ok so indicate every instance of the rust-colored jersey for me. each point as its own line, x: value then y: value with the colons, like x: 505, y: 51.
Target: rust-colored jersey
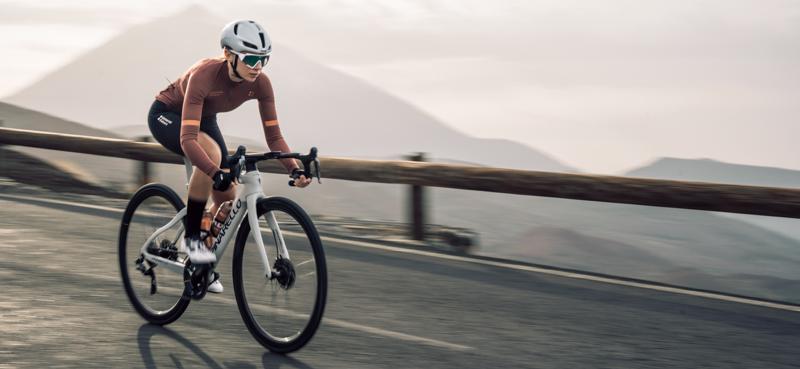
x: 206, y: 89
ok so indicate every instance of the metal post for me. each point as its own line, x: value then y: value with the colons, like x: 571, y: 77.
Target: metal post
x: 144, y: 166
x: 417, y: 210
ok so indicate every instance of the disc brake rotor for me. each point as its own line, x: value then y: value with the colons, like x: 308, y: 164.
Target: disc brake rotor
x: 284, y: 273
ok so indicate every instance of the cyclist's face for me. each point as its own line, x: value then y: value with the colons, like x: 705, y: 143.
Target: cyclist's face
x: 249, y: 74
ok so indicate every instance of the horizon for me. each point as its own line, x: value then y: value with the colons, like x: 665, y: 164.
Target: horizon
x: 586, y: 113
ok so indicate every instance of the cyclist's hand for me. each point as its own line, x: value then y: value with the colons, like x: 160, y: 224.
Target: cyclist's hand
x: 222, y: 180
x: 300, y: 179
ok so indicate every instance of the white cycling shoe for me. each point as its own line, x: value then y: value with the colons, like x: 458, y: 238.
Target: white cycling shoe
x: 198, y: 252
x: 215, y: 287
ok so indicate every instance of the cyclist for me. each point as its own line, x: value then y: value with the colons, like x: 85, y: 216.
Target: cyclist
x: 183, y: 119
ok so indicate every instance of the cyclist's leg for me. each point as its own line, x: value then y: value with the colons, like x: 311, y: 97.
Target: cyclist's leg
x: 200, y: 183
x: 218, y: 197
x: 166, y: 126
x: 211, y: 129
x: 211, y: 140
x: 199, y: 190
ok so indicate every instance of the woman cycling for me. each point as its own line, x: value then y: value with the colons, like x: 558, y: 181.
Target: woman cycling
x: 183, y: 119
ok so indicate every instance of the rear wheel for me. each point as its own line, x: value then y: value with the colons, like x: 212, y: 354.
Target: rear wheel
x: 284, y: 312
x: 154, y: 291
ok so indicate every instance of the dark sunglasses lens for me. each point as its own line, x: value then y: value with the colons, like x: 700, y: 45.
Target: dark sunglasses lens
x: 252, y: 60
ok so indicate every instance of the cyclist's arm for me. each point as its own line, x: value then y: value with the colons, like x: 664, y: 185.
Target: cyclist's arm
x: 275, y: 141
x: 196, y: 91
x: 269, y: 119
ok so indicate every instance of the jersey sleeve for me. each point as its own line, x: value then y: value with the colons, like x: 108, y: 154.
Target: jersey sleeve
x: 197, y: 88
x: 266, y: 99
x: 198, y: 85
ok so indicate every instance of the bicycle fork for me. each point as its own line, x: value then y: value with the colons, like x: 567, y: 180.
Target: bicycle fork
x: 255, y: 231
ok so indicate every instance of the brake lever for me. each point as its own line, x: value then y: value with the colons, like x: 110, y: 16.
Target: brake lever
x: 316, y: 167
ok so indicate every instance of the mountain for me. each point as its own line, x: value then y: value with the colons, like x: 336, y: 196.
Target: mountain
x: 114, y: 85
x: 29, y: 170
x: 570, y: 248
x: 103, y: 171
x: 707, y: 170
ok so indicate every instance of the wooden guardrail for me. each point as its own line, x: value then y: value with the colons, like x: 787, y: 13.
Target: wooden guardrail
x: 770, y: 201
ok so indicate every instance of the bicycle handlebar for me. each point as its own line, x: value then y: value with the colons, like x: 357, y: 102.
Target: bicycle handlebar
x: 240, y: 158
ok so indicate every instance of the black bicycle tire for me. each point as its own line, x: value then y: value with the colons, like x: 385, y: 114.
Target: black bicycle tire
x: 146, y: 191
x: 282, y: 204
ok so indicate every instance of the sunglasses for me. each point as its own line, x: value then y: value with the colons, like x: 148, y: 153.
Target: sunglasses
x: 253, y: 60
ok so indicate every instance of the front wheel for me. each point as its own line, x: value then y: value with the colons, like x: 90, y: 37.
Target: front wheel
x: 282, y: 313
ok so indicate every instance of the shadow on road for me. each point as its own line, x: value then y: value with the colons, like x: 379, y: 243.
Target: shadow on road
x: 274, y: 361
x: 147, y: 331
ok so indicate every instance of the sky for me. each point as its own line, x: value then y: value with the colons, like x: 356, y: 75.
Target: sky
x: 604, y: 86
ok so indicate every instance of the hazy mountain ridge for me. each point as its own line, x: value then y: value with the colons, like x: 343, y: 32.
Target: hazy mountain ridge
x: 707, y: 170
x: 103, y: 171
x: 317, y: 105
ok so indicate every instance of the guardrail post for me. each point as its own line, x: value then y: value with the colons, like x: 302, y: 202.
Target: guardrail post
x: 143, y: 176
x: 417, y: 208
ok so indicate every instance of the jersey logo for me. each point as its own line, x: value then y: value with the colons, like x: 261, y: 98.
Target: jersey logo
x: 164, y: 120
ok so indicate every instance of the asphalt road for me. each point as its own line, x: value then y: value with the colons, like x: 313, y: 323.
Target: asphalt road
x: 63, y: 305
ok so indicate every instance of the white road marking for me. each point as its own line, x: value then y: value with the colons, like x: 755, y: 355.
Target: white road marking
x: 527, y: 268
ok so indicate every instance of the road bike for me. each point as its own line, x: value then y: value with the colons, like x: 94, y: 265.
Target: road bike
x: 279, y: 270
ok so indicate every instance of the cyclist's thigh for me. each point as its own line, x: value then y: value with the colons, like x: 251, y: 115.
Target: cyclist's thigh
x: 209, y: 127
x: 165, y: 126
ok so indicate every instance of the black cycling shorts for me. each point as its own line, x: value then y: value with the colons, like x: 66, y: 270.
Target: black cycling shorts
x: 165, y: 125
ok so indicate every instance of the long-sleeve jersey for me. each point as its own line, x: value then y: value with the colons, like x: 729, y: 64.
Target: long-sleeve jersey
x: 206, y: 89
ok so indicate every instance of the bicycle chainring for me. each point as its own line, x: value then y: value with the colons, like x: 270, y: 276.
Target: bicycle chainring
x: 196, y: 280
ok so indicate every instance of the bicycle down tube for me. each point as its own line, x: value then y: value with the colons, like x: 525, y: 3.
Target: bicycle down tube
x: 251, y: 193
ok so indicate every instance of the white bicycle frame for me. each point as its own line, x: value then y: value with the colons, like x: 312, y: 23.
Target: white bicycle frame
x: 249, y: 192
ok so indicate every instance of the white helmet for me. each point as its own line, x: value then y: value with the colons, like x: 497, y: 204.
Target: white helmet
x: 245, y: 36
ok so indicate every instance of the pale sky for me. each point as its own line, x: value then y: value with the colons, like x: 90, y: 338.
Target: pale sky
x: 604, y: 86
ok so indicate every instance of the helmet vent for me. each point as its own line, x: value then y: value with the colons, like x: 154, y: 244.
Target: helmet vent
x: 263, y: 44
x: 236, y: 29
x: 249, y: 45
